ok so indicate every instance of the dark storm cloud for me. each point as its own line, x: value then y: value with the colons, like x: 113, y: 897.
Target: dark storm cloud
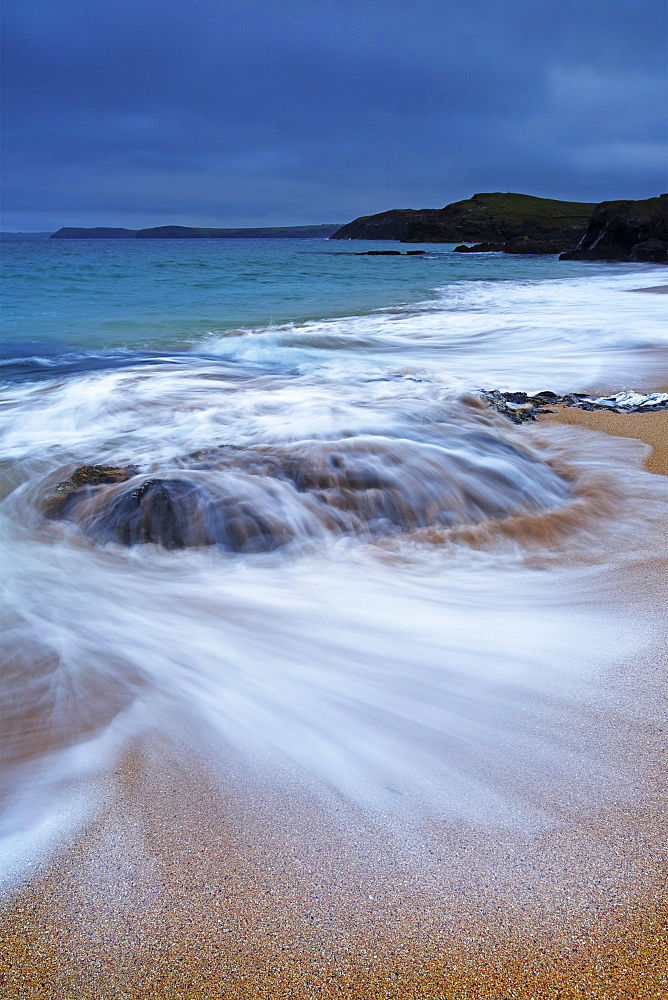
x: 260, y: 113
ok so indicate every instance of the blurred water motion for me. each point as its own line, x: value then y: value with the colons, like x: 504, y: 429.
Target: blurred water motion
x: 322, y: 551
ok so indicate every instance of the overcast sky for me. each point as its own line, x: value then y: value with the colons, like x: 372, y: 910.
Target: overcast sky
x: 245, y: 112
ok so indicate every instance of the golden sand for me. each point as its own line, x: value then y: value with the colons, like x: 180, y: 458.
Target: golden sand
x: 652, y: 428
x: 188, y: 887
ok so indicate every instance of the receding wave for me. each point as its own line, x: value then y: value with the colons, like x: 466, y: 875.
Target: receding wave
x: 336, y: 557
x: 260, y: 498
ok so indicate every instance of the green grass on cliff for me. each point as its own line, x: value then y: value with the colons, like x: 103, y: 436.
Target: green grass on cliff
x: 524, y: 207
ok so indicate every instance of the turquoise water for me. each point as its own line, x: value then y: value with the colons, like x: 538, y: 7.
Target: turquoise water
x: 158, y: 294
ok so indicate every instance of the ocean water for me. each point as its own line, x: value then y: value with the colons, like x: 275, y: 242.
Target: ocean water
x: 322, y: 549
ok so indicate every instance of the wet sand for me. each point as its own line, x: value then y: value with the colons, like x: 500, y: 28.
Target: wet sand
x: 190, y: 884
x: 652, y: 428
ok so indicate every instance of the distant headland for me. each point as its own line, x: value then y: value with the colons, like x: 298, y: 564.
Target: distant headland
x: 196, y: 233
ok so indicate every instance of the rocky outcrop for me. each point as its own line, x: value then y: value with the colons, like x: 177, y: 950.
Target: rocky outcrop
x: 480, y: 248
x: 493, y: 217
x: 397, y: 224
x: 515, y: 246
x: 534, y: 246
x: 379, y: 253
x: 522, y: 406
x: 626, y: 230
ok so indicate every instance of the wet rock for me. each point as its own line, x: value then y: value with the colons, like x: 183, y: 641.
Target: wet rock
x: 524, y: 246
x: 82, y: 481
x: 545, y: 396
x: 379, y: 253
x: 260, y: 498
x: 480, y: 248
x: 175, y: 512
x: 518, y: 406
x: 97, y: 475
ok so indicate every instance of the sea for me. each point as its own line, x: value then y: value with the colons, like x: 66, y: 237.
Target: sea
x: 322, y: 551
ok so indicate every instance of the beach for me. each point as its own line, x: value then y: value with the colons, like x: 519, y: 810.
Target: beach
x: 323, y: 678
x: 333, y: 502
x: 183, y: 886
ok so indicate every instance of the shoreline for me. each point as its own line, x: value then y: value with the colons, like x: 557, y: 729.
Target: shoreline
x: 650, y: 428
x: 185, y: 886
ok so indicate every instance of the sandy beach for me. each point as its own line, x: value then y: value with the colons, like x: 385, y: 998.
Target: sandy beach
x: 194, y: 884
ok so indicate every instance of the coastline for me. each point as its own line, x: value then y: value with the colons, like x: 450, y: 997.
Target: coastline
x: 179, y: 889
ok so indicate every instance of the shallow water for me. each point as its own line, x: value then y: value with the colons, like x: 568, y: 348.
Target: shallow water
x: 326, y: 548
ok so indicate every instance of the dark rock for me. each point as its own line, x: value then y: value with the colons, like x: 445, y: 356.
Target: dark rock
x: 545, y: 396
x: 653, y: 251
x: 379, y: 253
x: 515, y: 397
x: 172, y: 512
x: 626, y: 230
x: 82, y: 482
x: 392, y: 225
x: 413, y: 253
x: 495, y: 216
x: 480, y: 248
x: 518, y: 406
x: 534, y: 246
x: 97, y: 475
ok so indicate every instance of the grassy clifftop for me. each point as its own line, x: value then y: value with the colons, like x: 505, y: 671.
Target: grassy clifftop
x: 522, y: 207
x: 494, y: 216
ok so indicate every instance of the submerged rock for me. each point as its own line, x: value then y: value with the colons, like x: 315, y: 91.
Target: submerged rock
x: 526, y: 246
x: 388, y: 253
x: 480, y: 248
x: 257, y: 499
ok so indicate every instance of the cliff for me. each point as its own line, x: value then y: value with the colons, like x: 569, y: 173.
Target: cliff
x: 494, y: 217
x: 626, y: 230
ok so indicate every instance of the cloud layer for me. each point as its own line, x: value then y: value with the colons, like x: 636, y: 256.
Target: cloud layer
x: 257, y: 113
